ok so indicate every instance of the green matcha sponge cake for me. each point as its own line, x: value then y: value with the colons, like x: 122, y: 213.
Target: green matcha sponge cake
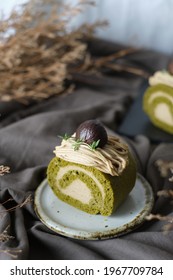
x: 158, y: 101
x: 92, y: 171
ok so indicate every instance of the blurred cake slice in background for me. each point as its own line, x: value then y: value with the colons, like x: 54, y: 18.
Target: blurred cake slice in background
x: 158, y: 100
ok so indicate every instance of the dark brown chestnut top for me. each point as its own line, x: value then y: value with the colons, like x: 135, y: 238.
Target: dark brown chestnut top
x: 91, y: 131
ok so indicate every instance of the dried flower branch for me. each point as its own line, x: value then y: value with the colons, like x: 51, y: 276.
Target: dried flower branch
x: 38, y: 53
x: 4, y: 169
x: 11, y: 252
x: 110, y: 62
x: 4, y: 236
x: 167, y: 227
x: 20, y: 205
x: 34, y: 59
x: 166, y: 193
x: 165, y: 168
x: 171, y: 178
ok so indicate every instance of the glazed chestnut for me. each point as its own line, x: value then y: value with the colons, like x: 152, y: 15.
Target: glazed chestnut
x: 91, y: 131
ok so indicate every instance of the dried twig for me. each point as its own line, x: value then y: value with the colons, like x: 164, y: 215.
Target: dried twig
x: 166, y: 193
x: 20, y: 205
x: 4, y: 236
x: 165, y: 168
x: 11, y: 252
x: 159, y: 217
x: 122, y: 53
x: 4, y: 169
x: 35, y: 58
x: 171, y: 178
x: 125, y: 68
x: 41, y: 53
x: 167, y: 227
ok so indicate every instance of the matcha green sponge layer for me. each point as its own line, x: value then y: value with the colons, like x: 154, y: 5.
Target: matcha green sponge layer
x: 89, y: 189
x: 158, y: 105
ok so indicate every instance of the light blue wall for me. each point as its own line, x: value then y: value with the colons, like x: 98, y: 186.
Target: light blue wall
x: 143, y: 23
x: 7, y: 5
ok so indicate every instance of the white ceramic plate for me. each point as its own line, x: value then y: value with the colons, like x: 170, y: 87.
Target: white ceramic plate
x: 69, y: 221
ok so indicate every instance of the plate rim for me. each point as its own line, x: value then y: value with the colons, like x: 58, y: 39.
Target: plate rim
x: 100, y: 235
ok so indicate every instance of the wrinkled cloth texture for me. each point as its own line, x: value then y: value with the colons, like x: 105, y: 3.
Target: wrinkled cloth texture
x: 28, y: 135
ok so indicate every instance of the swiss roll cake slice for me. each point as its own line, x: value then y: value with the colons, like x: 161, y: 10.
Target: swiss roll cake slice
x: 92, y: 171
x: 158, y: 101
x: 89, y: 189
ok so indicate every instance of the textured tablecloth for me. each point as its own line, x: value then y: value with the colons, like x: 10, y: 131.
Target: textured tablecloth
x: 28, y: 135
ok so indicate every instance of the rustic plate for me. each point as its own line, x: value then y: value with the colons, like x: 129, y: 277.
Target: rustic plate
x: 69, y: 221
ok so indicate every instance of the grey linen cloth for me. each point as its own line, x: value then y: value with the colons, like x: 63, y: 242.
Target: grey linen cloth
x: 28, y: 135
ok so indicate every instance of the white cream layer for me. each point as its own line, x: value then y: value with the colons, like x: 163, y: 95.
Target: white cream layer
x: 78, y: 189
x: 160, y: 94
x: 162, y: 112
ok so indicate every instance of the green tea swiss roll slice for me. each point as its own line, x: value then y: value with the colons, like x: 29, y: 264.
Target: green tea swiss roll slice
x: 92, y: 171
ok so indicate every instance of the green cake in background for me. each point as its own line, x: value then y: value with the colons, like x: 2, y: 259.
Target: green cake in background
x: 158, y: 100
x: 92, y: 171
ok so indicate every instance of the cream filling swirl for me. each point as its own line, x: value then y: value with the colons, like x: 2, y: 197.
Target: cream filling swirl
x: 111, y: 159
